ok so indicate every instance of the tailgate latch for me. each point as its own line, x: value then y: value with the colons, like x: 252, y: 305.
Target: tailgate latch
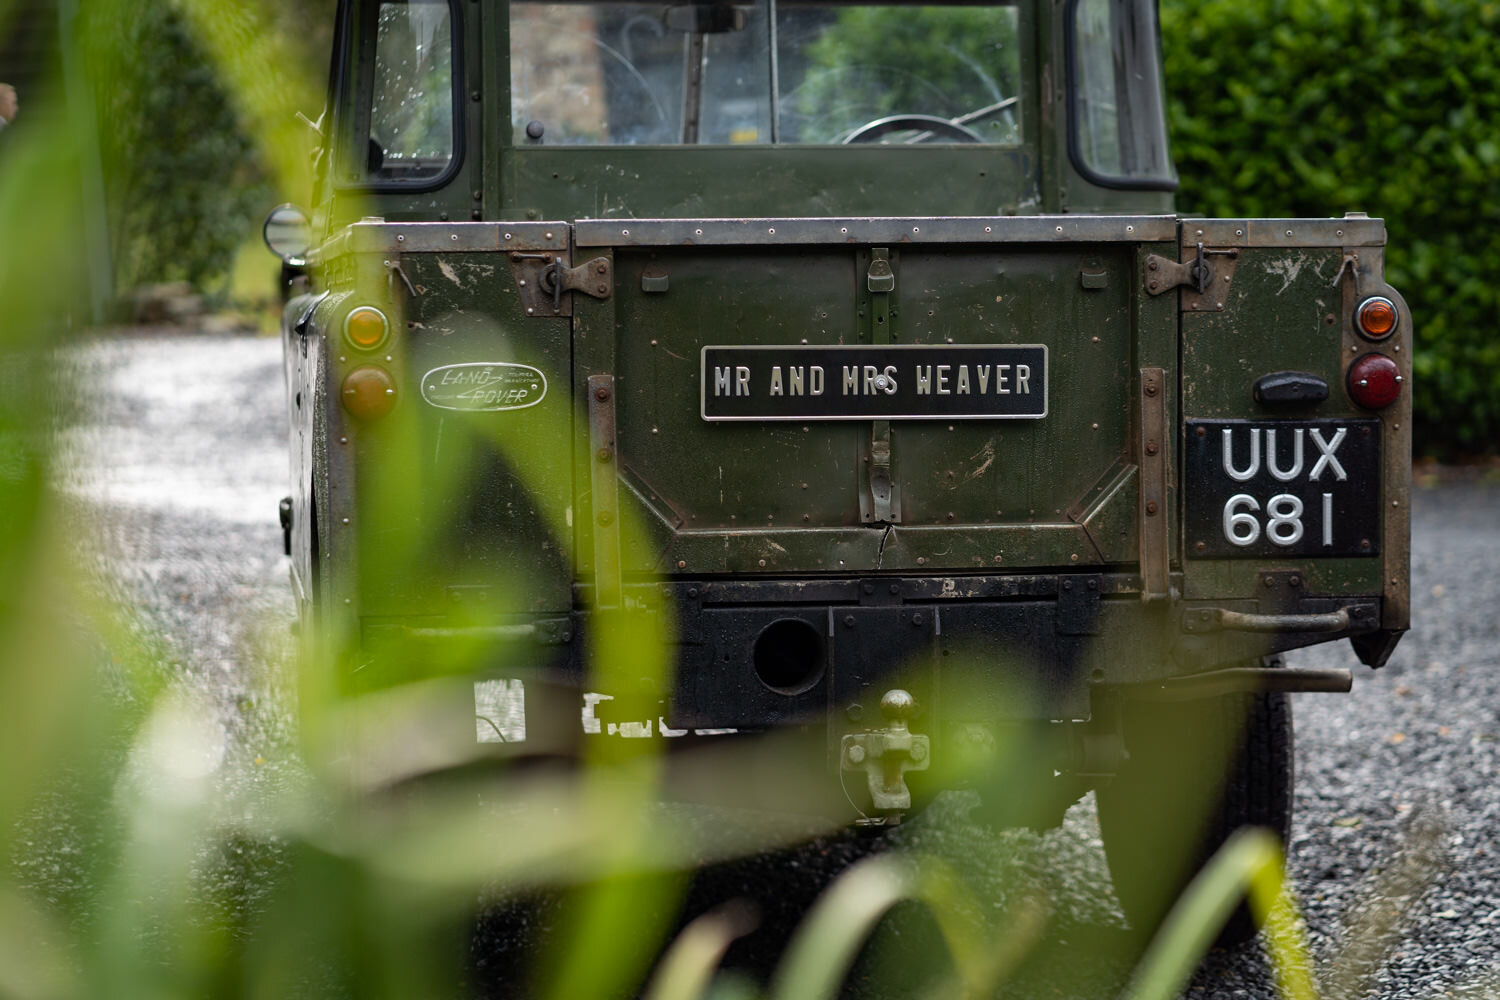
x: 591, y: 278
x: 542, y: 278
x: 1208, y: 284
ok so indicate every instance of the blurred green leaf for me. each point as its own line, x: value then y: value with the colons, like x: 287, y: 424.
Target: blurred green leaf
x: 1250, y: 863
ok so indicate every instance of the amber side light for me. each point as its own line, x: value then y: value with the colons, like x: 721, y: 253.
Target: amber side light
x: 1374, y: 381
x: 369, y: 392
x: 1376, y: 317
x: 366, y: 328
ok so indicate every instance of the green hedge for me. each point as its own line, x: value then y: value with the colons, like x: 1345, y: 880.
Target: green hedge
x: 183, y: 186
x: 1318, y: 107
x: 186, y: 178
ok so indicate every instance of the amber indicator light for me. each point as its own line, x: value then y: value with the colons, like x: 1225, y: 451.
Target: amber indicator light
x: 369, y: 392
x: 1374, y: 381
x: 1376, y: 317
x: 366, y: 328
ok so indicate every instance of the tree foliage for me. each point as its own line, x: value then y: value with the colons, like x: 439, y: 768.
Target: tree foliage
x: 181, y: 181
x: 1318, y: 107
x: 186, y: 180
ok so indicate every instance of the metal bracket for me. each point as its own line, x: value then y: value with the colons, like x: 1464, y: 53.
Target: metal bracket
x: 1233, y: 680
x: 880, y: 278
x: 1164, y: 274
x: 1350, y: 265
x: 393, y: 271
x: 1282, y: 606
x: 542, y: 278
x: 1205, y: 283
x: 1155, y: 540
x: 886, y: 755
x: 880, y: 501
x: 605, y: 480
x: 1208, y: 619
x: 1078, y: 605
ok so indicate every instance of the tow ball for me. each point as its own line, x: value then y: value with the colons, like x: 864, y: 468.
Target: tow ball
x: 886, y: 754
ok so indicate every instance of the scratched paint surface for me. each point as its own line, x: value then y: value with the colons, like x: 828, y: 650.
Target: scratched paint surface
x: 1275, y: 319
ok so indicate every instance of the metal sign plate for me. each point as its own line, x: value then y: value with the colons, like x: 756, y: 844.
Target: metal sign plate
x: 488, y: 385
x: 905, y: 382
x: 1265, y: 488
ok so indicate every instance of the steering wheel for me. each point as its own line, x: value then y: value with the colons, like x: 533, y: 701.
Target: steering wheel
x: 873, y: 131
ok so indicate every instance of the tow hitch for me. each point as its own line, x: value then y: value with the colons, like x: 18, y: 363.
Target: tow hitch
x: 886, y: 754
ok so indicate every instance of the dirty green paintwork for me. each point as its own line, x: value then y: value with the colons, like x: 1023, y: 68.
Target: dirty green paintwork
x: 448, y: 476
x: 728, y: 181
x: 434, y: 519
x: 996, y: 480
x: 1280, y: 305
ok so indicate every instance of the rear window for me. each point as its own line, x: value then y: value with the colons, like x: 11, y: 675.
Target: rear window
x: 411, y: 133
x: 727, y: 74
x: 1119, y: 135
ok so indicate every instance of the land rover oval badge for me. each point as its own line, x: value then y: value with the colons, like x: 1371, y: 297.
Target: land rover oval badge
x: 484, y: 385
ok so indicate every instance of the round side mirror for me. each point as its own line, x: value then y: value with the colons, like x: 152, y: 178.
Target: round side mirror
x: 288, y: 234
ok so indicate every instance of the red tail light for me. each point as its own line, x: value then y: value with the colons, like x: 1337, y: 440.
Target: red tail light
x: 1374, y: 381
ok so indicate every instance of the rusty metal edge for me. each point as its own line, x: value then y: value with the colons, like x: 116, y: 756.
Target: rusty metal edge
x: 1353, y: 232
x: 604, y: 478
x: 1152, y: 458
x: 791, y: 231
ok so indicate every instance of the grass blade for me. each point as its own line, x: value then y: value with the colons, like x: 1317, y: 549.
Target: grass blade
x: 840, y: 922
x: 1249, y: 863
x: 687, y: 969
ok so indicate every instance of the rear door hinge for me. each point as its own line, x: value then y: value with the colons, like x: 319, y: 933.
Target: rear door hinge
x: 605, y: 479
x: 880, y: 500
x: 1155, y: 537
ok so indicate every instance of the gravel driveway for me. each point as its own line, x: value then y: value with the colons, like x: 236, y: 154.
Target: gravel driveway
x: 177, y: 462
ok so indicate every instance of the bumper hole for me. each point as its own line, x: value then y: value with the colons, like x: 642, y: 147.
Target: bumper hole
x: 789, y: 656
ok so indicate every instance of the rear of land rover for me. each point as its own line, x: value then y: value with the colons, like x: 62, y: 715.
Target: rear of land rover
x: 912, y: 425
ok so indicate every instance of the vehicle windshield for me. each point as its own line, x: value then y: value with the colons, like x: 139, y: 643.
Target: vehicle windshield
x: 767, y: 71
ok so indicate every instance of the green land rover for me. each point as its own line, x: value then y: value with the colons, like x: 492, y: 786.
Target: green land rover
x: 837, y: 377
